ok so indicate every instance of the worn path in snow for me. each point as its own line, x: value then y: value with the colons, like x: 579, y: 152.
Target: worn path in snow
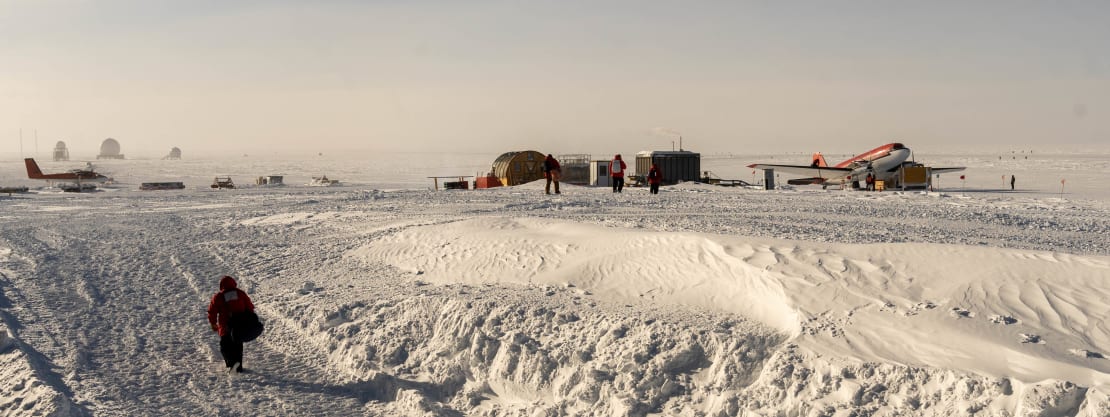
x: 111, y: 307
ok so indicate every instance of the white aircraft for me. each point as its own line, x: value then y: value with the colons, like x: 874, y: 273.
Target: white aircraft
x: 883, y: 162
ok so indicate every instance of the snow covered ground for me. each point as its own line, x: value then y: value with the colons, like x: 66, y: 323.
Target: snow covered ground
x: 382, y: 297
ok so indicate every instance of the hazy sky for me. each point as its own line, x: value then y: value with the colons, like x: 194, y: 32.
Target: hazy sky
x: 555, y: 76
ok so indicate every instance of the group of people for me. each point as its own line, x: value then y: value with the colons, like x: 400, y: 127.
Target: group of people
x: 552, y: 171
x: 230, y: 301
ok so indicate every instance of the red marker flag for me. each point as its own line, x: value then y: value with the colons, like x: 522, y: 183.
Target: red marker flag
x: 961, y: 177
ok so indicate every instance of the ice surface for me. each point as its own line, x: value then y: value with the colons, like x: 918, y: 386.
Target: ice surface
x: 382, y: 297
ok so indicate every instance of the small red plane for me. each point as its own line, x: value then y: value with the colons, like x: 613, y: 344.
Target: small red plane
x: 77, y: 176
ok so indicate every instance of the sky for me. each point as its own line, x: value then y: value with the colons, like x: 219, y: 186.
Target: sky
x: 554, y: 76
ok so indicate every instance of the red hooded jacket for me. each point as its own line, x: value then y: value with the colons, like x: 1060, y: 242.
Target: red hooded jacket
x: 655, y: 176
x: 617, y: 167
x: 550, y: 165
x: 228, y: 301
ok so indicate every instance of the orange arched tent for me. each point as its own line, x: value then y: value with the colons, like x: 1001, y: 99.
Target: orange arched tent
x: 515, y: 168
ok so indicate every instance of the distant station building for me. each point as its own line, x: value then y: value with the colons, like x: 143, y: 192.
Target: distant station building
x: 61, y: 153
x: 109, y: 149
x: 575, y: 168
x: 269, y: 180
x: 175, y: 153
x: 515, y: 168
x: 677, y: 166
x: 151, y: 186
x: 599, y: 173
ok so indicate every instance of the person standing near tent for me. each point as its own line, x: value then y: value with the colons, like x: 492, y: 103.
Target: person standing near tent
x: 654, y: 178
x: 1012, y: 180
x: 616, y: 172
x: 226, y: 303
x: 552, y: 171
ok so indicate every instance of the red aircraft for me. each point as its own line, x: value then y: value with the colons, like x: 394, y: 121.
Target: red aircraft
x: 77, y: 176
x: 882, y: 163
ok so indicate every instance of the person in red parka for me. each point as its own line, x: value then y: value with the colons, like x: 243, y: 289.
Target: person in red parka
x: 552, y: 171
x: 228, y: 301
x: 616, y: 173
x: 655, y: 177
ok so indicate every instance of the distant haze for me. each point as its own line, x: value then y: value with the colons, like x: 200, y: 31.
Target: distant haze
x: 556, y: 76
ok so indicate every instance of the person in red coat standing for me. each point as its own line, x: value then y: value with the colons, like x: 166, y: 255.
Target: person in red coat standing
x: 228, y: 301
x: 616, y: 172
x: 552, y: 171
x: 654, y: 178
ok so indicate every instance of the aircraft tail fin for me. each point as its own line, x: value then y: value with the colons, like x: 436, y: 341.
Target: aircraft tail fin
x: 818, y: 160
x: 33, y: 171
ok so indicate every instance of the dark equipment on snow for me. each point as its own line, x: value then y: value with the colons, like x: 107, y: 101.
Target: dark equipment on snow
x: 245, y: 326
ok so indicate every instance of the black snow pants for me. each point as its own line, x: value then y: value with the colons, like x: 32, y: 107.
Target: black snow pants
x: 232, y: 351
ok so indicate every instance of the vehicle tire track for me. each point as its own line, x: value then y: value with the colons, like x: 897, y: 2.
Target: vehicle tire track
x: 125, y: 323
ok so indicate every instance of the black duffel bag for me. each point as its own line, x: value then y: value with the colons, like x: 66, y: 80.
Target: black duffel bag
x: 245, y: 326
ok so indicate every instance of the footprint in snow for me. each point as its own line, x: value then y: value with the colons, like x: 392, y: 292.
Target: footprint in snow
x: 1000, y: 319
x: 1084, y: 353
x: 917, y: 308
x: 1031, y: 338
x: 888, y: 306
x: 958, y: 312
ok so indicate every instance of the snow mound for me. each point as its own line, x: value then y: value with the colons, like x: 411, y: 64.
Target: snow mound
x: 683, y: 269
x: 6, y: 340
x: 23, y: 393
x: 546, y: 350
x: 855, y: 301
x: 485, y: 350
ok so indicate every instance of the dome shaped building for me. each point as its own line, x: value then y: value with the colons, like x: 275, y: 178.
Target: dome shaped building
x: 109, y: 149
x: 61, y: 153
x: 515, y: 168
x: 175, y: 153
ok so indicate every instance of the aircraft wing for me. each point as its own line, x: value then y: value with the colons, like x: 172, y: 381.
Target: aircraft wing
x: 944, y: 170
x: 806, y: 170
